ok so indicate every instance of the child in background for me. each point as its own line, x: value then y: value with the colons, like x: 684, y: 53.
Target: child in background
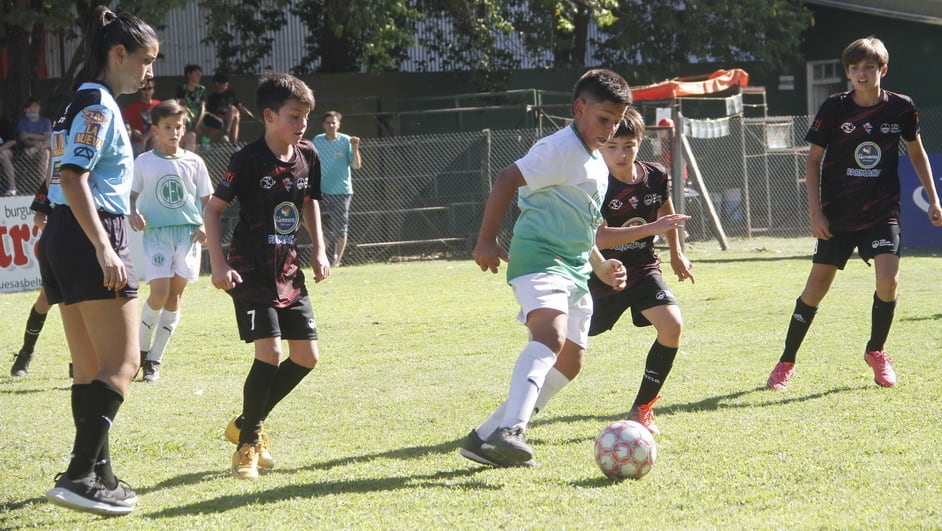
x: 854, y: 199
x: 192, y: 95
x: 277, y: 182
x: 561, y: 182
x: 170, y: 189
x: 224, y: 111
x: 33, y: 134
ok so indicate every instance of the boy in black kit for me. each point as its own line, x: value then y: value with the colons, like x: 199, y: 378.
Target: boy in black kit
x: 854, y: 198
x: 277, y: 182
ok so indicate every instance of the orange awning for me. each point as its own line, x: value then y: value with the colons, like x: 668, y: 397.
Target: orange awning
x: 719, y: 81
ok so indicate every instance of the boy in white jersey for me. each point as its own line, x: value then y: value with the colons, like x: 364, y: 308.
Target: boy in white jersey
x: 561, y: 182
x: 170, y: 189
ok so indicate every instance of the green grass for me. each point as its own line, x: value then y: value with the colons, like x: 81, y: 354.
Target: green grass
x: 415, y: 354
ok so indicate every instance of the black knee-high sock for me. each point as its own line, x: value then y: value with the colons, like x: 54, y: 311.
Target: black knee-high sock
x: 881, y: 319
x: 92, y: 424
x: 656, y: 368
x: 288, y: 376
x: 254, y: 396
x: 797, y: 328
x: 34, y: 325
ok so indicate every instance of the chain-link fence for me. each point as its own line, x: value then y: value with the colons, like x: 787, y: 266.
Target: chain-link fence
x: 423, y: 196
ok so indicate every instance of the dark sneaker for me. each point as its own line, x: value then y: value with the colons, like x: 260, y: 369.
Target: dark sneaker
x: 21, y: 363
x: 471, y: 449
x: 507, y: 445
x: 88, y: 494
x: 151, y: 370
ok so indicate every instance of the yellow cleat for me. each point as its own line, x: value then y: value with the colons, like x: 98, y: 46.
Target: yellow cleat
x: 245, y: 462
x: 265, y: 460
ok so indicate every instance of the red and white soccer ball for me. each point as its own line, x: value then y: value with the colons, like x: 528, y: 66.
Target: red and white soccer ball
x: 625, y: 450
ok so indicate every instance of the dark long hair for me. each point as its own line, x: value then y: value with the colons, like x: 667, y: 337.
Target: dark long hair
x: 106, y: 30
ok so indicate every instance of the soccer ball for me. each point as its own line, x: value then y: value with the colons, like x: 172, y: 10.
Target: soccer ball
x: 625, y: 449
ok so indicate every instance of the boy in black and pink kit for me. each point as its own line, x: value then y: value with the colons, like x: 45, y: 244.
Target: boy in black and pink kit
x: 277, y: 182
x: 854, y: 199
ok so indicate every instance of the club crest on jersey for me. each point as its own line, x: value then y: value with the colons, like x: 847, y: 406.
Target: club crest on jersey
x: 286, y: 218
x: 287, y: 183
x: 848, y: 127
x: 170, y: 191
x: 867, y: 155
x: 267, y: 182
x: 634, y: 222
x: 868, y: 127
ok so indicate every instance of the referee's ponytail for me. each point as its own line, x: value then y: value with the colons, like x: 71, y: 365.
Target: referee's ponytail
x: 104, y: 31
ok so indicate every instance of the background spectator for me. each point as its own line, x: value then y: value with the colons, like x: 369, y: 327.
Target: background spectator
x: 137, y: 116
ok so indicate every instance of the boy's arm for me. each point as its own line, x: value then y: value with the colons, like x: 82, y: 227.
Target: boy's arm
x: 137, y: 221
x: 920, y: 161
x: 819, y: 223
x: 679, y: 262
x: 224, y: 277
x: 245, y: 110
x: 487, y: 251
x: 311, y: 211
x: 609, y: 271
x: 199, y: 235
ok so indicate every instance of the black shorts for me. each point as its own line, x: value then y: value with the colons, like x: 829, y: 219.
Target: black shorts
x: 68, y: 262
x: 649, y: 292
x: 881, y: 239
x: 259, y: 321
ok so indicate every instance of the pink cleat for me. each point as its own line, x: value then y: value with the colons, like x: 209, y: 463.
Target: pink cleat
x: 882, y: 366
x: 780, y: 376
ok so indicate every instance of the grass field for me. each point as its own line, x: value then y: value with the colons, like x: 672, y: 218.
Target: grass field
x: 415, y: 354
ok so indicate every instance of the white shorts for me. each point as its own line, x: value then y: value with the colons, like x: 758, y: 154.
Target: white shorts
x: 170, y: 251
x: 542, y: 290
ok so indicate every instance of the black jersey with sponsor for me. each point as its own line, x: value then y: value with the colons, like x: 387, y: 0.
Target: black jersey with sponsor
x: 859, y: 176
x: 632, y: 205
x: 271, y: 194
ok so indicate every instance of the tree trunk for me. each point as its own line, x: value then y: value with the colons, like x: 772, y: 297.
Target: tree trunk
x: 580, y: 35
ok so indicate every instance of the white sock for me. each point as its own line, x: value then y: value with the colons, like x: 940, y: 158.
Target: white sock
x: 149, y: 318
x: 554, y: 382
x: 552, y: 385
x: 528, y: 376
x: 492, y: 423
x: 165, y: 327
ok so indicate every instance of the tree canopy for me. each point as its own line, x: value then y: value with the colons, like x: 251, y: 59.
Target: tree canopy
x: 653, y: 37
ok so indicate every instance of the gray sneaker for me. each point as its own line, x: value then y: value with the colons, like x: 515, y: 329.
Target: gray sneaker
x: 471, y: 449
x: 151, y: 370
x: 507, y: 445
x: 88, y: 494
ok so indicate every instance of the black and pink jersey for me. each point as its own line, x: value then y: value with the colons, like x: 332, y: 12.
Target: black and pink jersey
x: 270, y: 193
x: 632, y: 205
x: 860, y: 184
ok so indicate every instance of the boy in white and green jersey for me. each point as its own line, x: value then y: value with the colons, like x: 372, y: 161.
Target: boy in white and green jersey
x: 561, y: 182
x: 170, y: 188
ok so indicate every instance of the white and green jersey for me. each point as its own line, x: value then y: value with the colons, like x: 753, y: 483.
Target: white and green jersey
x: 560, y: 208
x: 170, y: 188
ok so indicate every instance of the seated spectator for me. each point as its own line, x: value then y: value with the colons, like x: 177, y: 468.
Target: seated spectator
x: 7, y: 143
x: 223, y: 111
x: 33, y: 134
x: 137, y: 116
x: 192, y: 95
